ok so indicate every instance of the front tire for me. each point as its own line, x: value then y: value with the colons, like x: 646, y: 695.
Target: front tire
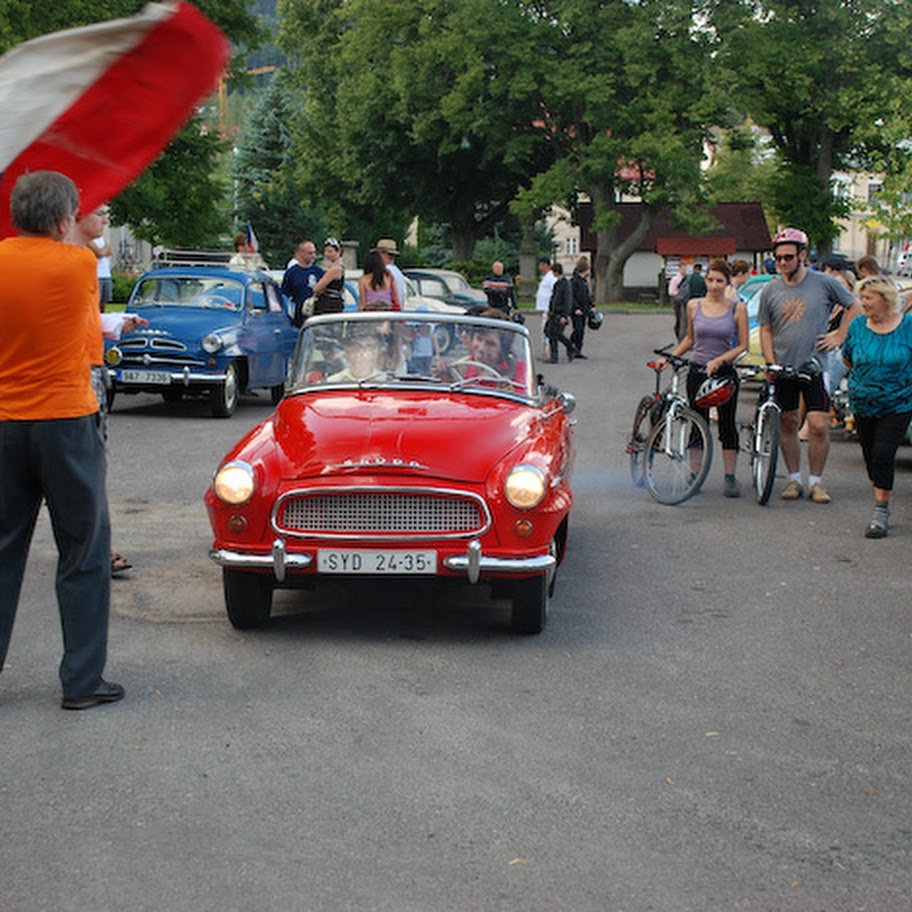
x: 223, y: 398
x: 765, y: 454
x: 248, y: 598
x: 530, y: 605
x: 678, y: 455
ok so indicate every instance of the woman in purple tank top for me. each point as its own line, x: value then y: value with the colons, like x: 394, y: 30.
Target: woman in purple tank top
x: 376, y: 287
x: 717, y: 334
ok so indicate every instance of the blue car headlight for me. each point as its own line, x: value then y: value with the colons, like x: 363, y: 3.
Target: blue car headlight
x: 212, y: 343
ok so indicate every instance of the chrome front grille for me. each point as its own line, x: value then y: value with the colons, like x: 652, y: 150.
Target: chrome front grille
x: 170, y: 345
x: 379, y: 513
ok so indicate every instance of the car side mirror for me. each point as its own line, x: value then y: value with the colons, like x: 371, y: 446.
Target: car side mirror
x: 568, y: 402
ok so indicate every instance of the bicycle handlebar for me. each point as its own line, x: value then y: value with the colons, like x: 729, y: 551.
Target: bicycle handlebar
x: 805, y: 373
x: 676, y: 361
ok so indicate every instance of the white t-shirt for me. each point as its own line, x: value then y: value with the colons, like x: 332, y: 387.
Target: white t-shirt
x: 104, y: 263
x: 543, y: 294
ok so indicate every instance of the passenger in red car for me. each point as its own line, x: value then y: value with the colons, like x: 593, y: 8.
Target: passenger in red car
x: 365, y: 356
x: 490, y: 348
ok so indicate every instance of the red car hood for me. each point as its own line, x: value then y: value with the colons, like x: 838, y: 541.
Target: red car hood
x: 456, y: 438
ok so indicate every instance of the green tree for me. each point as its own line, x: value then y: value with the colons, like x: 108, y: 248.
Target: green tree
x: 268, y: 194
x: 19, y: 21
x: 626, y: 101
x: 742, y: 169
x: 427, y: 109
x: 178, y: 201
x: 817, y: 74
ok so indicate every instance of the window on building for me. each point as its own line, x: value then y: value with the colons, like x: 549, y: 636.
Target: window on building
x: 572, y: 246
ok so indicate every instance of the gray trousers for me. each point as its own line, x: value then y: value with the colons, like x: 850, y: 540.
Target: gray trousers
x: 62, y: 461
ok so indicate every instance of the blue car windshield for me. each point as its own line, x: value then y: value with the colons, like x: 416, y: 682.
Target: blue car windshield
x: 189, y: 291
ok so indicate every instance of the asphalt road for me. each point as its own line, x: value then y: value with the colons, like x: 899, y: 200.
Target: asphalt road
x: 717, y: 717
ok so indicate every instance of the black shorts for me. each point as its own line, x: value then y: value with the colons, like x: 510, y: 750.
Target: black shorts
x: 790, y: 391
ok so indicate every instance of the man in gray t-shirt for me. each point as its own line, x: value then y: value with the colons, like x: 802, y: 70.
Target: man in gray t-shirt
x: 793, y: 315
x: 798, y: 314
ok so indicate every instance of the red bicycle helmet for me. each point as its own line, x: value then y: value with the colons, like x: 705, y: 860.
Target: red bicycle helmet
x: 790, y: 236
x: 715, y: 391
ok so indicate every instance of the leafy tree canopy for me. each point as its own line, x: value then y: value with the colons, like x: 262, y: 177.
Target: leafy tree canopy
x: 626, y: 100
x: 178, y: 201
x: 19, y: 22
x: 268, y: 194
x: 427, y: 109
x: 823, y: 76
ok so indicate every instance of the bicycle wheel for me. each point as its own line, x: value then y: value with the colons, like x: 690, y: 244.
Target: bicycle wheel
x: 678, y: 456
x: 765, y: 452
x: 636, y: 445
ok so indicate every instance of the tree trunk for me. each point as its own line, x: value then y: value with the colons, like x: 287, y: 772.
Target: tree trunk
x: 463, y: 238
x: 528, y: 266
x: 824, y: 177
x: 613, y: 251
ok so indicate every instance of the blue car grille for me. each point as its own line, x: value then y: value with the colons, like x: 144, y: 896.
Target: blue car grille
x: 171, y: 345
x: 383, y: 514
x: 167, y: 353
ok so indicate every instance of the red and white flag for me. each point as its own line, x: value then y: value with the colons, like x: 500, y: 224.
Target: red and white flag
x: 99, y: 103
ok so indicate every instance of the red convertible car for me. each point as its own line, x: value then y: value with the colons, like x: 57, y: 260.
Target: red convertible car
x: 387, y: 458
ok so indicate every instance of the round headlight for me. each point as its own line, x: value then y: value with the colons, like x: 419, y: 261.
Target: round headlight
x: 234, y: 483
x: 113, y: 356
x: 212, y: 343
x: 525, y: 487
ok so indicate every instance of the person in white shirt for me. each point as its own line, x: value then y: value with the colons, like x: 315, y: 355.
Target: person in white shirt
x: 543, y: 296
x: 389, y: 251
x: 94, y: 224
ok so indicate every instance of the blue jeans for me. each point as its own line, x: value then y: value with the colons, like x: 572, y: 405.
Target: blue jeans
x: 63, y: 462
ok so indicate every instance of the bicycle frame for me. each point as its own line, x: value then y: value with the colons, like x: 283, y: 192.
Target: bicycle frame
x: 764, y: 432
x: 678, y: 451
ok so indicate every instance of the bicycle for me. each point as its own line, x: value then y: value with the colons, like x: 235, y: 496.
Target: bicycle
x: 764, y: 432
x: 644, y: 418
x: 670, y: 446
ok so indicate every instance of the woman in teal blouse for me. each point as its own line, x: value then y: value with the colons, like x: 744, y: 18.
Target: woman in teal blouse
x: 878, y: 352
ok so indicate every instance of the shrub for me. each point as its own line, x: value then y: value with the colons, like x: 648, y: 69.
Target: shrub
x: 123, y: 287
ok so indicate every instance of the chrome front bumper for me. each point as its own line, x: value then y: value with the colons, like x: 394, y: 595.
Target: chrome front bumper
x: 184, y: 377
x: 473, y: 563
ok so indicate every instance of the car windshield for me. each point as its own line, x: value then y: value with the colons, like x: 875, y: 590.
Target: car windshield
x: 477, y: 355
x: 189, y: 291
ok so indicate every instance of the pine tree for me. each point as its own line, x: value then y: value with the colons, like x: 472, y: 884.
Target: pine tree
x: 267, y: 195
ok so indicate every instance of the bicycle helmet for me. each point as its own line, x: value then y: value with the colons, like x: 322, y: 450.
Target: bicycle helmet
x: 594, y: 320
x: 790, y: 236
x: 715, y: 391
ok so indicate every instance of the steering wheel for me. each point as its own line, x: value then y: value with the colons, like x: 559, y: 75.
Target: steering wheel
x: 460, y: 369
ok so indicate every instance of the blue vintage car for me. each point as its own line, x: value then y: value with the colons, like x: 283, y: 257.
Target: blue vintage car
x: 213, y: 331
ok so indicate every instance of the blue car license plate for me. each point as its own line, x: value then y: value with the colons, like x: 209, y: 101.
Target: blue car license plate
x: 144, y: 376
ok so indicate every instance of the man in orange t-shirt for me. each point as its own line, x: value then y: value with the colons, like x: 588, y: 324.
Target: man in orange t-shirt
x: 50, y: 442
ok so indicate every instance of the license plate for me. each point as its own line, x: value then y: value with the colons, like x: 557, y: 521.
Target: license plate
x: 395, y: 563
x: 144, y: 376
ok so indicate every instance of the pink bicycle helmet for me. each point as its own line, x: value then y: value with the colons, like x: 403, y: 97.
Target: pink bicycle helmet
x: 715, y: 391
x: 790, y: 236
